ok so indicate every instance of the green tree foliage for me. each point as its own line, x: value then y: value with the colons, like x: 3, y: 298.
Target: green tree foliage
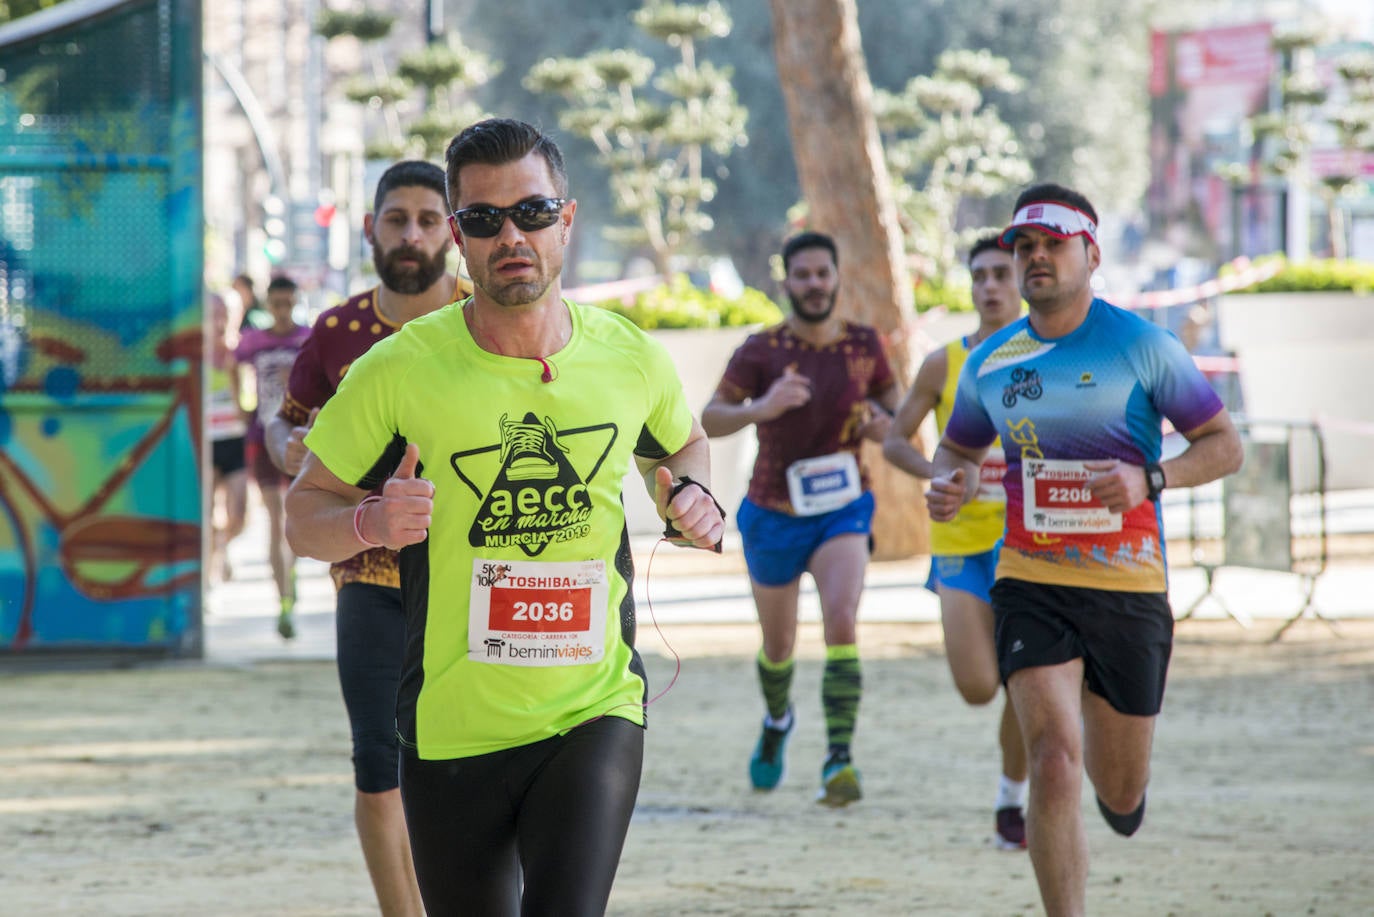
x: 679, y: 304
x: 1082, y: 116
x: 442, y: 74
x: 654, y: 134
x: 945, y: 142
x: 14, y: 9
x: 1328, y: 275
x: 1080, y: 119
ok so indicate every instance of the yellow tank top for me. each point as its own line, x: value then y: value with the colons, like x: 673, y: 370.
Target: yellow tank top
x: 981, y: 521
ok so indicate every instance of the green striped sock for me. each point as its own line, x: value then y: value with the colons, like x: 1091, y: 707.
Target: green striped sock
x: 776, y: 680
x: 841, y: 687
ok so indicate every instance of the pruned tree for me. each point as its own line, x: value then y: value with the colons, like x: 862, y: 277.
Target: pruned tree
x: 1353, y: 121
x: 946, y: 143
x: 442, y: 74
x: 848, y: 192
x: 653, y: 134
x: 1287, y: 134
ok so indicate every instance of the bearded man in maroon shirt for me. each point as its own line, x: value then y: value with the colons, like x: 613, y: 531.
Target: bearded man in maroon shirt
x: 814, y: 387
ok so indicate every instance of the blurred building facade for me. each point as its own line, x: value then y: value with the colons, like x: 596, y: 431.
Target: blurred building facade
x: 287, y: 183
x: 1213, y: 195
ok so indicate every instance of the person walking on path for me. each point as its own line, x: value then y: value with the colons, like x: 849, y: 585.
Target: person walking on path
x: 269, y: 353
x: 814, y: 387
x: 251, y: 312
x: 410, y: 249
x: 500, y: 430
x: 1078, y: 391
x: 226, y: 426
x: 964, y: 550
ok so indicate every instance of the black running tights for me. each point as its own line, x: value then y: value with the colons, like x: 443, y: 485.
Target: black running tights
x: 555, y: 813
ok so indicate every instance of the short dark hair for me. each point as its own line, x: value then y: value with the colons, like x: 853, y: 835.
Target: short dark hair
x: 990, y: 241
x: 1058, y: 194
x: 806, y: 240
x: 281, y: 282
x: 408, y: 173
x: 497, y: 141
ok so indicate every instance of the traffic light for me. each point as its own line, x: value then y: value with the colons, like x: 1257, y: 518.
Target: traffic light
x: 274, y: 225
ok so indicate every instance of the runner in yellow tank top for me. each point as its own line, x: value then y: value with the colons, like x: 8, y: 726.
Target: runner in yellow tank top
x: 964, y: 551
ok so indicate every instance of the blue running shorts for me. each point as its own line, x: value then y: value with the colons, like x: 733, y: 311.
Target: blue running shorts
x: 778, y: 546
x: 971, y: 573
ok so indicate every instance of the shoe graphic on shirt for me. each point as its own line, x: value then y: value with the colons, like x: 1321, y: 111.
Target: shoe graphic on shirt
x: 527, y: 448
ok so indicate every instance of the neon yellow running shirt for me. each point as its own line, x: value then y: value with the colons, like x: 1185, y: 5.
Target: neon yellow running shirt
x: 519, y: 605
x: 980, y: 521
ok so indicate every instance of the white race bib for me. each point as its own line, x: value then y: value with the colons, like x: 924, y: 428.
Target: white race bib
x: 990, y: 474
x: 823, y: 484
x: 223, y: 418
x: 535, y: 613
x: 1057, y: 500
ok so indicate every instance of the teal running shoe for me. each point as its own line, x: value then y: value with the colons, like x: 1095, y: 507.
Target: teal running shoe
x: 840, y: 783
x: 768, y: 762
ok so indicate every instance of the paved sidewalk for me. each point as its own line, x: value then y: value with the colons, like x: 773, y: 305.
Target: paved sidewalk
x: 690, y: 587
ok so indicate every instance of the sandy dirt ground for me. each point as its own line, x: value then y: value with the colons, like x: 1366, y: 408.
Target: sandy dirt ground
x: 181, y: 789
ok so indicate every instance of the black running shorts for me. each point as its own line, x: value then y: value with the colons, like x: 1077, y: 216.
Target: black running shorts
x: 370, y: 632
x: 1124, y: 638
x: 226, y: 455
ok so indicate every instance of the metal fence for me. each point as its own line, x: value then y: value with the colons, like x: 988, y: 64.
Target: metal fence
x: 1271, y: 515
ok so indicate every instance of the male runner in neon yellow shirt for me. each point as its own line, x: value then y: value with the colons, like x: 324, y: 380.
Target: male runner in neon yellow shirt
x: 510, y: 420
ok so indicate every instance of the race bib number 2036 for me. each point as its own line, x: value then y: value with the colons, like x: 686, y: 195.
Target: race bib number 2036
x: 533, y: 613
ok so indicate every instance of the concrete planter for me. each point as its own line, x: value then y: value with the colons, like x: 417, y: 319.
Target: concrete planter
x: 1304, y: 357
x: 700, y: 356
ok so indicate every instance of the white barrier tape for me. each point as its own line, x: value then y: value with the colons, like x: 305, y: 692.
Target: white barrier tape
x: 1216, y: 364
x: 612, y: 289
x: 1245, y: 274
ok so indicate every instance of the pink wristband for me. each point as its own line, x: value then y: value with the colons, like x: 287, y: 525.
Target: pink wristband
x: 358, y: 518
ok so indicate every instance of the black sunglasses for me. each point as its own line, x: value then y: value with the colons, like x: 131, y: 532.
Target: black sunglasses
x: 483, y: 222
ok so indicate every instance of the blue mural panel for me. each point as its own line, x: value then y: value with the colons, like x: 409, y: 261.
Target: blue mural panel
x: 101, y: 329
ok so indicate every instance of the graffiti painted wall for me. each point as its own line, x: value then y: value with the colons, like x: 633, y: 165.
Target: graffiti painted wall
x: 101, y: 328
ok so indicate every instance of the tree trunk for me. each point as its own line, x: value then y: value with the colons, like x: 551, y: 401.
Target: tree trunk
x: 848, y: 192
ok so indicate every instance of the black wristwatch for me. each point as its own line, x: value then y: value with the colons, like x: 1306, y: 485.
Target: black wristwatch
x: 1154, y: 480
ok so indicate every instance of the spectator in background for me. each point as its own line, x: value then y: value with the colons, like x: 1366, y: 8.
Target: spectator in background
x: 251, y: 312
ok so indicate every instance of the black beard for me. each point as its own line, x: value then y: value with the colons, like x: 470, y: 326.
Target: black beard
x: 409, y: 281
x: 812, y: 318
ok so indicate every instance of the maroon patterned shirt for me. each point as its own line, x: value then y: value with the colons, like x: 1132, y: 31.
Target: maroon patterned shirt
x: 843, y: 374
x: 340, y: 336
